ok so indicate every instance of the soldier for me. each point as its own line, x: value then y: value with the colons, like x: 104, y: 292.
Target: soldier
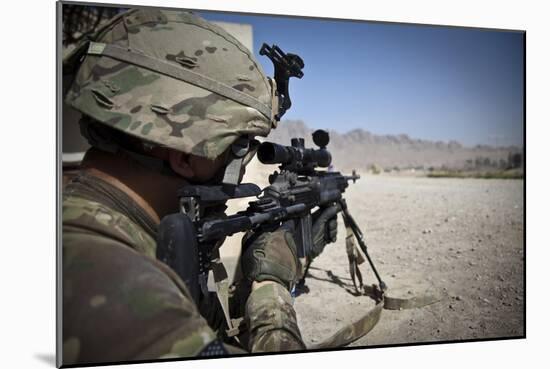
x: 164, y: 95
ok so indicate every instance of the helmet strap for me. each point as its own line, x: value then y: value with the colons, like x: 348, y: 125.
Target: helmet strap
x: 232, y: 174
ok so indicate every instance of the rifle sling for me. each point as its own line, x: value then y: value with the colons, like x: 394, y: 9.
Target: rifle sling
x: 353, y: 331
x: 354, y: 257
x: 222, y: 292
x: 395, y: 303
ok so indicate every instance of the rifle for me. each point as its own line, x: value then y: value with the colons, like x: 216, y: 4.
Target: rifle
x: 293, y: 193
x: 189, y: 241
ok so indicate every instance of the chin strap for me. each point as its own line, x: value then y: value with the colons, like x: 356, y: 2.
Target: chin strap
x: 232, y: 174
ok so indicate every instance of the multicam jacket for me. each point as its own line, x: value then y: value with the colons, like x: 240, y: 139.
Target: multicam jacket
x: 121, y: 304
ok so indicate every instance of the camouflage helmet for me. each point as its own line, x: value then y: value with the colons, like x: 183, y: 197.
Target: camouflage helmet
x: 172, y: 79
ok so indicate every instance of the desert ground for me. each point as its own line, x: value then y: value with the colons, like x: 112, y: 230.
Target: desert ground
x: 459, y: 239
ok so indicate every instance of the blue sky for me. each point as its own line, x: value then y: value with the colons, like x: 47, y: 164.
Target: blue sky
x: 429, y: 82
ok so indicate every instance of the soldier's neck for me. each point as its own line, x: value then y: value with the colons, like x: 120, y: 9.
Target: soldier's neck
x: 153, y: 191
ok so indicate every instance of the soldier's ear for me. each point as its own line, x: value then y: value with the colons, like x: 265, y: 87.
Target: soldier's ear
x: 179, y: 162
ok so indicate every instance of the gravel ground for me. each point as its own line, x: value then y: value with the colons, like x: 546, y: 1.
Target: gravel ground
x: 460, y: 239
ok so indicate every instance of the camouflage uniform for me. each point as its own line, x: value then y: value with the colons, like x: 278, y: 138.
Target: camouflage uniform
x: 119, y: 302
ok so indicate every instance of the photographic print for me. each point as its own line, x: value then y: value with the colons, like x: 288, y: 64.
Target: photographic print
x: 235, y: 184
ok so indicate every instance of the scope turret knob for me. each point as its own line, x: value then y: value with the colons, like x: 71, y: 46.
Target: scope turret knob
x: 321, y: 138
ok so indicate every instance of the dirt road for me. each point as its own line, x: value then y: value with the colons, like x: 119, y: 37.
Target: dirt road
x: 461, y: 239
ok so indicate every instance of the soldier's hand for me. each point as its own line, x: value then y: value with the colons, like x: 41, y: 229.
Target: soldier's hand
x: 270, y: 256
x: 324, y: 229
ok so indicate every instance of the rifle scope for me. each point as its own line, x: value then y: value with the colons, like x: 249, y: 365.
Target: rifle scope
x: 296, y: 154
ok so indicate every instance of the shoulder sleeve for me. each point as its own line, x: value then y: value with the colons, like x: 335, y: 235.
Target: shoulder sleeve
x: 119, y: 304
x: 91, y: 216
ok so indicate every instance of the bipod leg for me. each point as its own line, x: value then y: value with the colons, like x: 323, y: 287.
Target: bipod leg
x: 359, y: 237
x: 302, y: 281
x: 354, y: 258
x: 301, y: 285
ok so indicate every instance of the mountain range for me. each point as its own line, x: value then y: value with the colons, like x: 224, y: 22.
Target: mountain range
x: 361, y: 149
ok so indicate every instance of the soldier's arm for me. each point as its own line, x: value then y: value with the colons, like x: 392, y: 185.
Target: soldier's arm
x: 121, y: 305
x: 272, y: 319
x: 270, y: 263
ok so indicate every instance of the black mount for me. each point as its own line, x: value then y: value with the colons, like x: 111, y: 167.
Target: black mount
x: 286, y: 65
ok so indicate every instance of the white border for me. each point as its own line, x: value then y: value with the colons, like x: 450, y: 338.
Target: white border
x: 28, y: 161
